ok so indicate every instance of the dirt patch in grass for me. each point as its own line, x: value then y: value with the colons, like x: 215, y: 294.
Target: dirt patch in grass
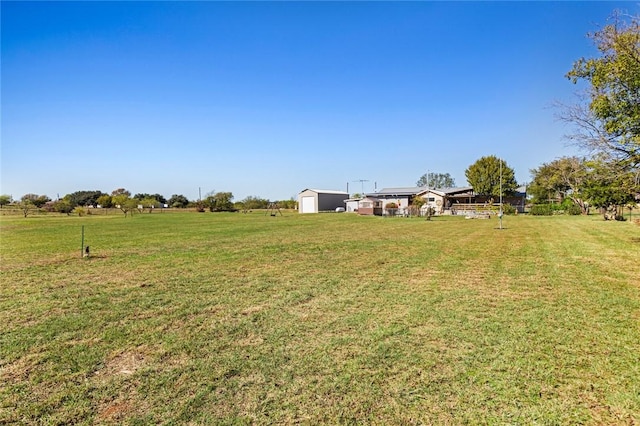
x: 123, y: 364
x: 117, y: 410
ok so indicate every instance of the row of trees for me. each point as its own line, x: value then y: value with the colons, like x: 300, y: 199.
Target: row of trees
x: 123, y: 200
x: 587, y: 182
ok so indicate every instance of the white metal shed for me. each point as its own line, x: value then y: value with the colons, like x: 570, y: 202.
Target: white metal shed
x: 319, y: 200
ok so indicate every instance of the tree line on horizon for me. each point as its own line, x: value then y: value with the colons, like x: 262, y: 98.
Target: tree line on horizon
x: 122, y: 199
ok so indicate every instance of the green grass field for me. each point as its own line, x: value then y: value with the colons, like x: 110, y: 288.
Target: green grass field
x: 319, y: 319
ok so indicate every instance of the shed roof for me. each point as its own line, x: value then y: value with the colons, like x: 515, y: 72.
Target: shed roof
x: 325, y: 191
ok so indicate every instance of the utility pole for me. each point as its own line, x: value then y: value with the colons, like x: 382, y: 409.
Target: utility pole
x: 500, y: 212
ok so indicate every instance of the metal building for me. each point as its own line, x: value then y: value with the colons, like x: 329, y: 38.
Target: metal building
x: 320, y: 200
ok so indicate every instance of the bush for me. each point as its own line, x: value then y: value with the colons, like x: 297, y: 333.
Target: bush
x: 508, y: 209
x: 541, y: 210
x: 391, y: 205
x: 573, y: 210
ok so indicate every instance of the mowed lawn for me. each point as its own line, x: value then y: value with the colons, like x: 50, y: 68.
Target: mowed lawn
x: 319, y: 319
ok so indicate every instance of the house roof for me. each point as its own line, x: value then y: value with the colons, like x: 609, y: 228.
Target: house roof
x: 417, y: 190
x: 404, y: 191
x: 448, y: 191
x: 325, y: 191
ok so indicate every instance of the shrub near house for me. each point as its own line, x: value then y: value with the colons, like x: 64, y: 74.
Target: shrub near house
x: 391, y: 209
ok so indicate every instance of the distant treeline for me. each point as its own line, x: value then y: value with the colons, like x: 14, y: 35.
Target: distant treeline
x: 122, y: 199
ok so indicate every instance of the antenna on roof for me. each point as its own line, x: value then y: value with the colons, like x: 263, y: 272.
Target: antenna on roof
x: 362, y: 181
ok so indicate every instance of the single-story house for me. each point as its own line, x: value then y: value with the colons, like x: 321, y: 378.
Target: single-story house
x: 441, y: 199
x: 320, y: 200
x: 462, y: 200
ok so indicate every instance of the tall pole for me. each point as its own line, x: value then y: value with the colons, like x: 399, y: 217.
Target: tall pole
x: 428, y: 205
x: 82, y: 243
x: 500, y: 213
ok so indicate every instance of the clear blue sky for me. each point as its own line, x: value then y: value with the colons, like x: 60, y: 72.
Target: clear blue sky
x: 270, y: 98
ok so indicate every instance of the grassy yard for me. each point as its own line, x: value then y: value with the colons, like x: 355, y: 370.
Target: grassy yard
x: 319, y: 319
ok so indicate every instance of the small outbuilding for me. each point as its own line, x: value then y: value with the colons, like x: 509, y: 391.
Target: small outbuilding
x: 370, y: 206
x: 321, y: 200
x: 352, y: 204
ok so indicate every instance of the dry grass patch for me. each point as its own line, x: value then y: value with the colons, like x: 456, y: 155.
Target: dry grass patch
x: 125, y: 363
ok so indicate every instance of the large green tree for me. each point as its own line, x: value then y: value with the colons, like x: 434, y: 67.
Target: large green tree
x: 158, y: 197
x: 4, y: 200
x: 178, y: 200
x: 121, y: 198
x: 63, y: 206
x: 83, y: 198
x: 436, y: 180
x: 105, y: 201
x: 219, y: 201
x: 610, y: 187
x: 489, y: 175
x: 37, y: 200
x: 561, y: 178
x: 607, y: 120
